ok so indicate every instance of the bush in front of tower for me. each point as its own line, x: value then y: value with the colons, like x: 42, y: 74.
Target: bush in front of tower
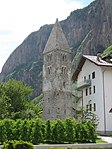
x: 37, y: 131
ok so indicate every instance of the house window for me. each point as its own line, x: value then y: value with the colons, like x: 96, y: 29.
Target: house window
x: 90, y: 91
x: 94, y: 106
x: 89, y: 77
x: 94, y: 89
x: 84, y: 78
x: 90, y: 107
x: 93, y: 75
x: 110, y: 111
x: 86, y: 91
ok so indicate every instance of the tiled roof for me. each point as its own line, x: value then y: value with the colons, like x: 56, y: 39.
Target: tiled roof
x: 95, y: 60
x: 57, y: 39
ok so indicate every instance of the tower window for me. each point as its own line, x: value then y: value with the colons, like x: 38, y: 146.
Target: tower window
x: 49, y: 57
x: 63, y: 57
x: 58, y: 110
x: 49, y: 69
x: 64, y: 70
x: 64, y: 84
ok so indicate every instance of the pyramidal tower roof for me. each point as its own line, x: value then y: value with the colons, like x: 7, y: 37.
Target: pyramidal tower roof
x: 57, y: 39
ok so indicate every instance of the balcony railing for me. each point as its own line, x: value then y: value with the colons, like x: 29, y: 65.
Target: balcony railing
x: 84, y: 84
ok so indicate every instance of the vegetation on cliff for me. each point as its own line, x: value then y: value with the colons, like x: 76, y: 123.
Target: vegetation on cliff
x: 107, y: 52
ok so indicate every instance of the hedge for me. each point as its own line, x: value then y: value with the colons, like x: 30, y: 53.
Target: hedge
x: 15, y: 144
x: 37, y: 131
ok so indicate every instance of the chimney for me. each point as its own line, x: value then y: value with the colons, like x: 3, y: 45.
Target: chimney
x: 99, y: 57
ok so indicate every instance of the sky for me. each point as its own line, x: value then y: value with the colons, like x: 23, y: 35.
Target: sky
x: 18, y: 18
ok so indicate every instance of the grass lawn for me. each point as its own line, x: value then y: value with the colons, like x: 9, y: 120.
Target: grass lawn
x: 98, y: 140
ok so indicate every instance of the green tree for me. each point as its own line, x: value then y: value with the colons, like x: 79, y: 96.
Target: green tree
x: 14, y: 96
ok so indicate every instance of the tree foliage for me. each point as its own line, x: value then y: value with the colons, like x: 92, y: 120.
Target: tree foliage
x: 15, y: 101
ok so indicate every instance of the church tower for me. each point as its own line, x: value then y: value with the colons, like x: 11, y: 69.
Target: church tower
x: 57, y: 76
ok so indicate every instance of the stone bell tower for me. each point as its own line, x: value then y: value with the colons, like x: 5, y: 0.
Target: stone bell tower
x: 57, y: 76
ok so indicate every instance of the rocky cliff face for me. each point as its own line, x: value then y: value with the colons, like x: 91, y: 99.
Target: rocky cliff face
x: 88, y: 31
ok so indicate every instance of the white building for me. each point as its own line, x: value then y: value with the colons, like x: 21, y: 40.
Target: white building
x: 94, y: 79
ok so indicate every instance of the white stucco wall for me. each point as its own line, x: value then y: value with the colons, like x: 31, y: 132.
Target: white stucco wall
x: 107, y: 71
x: 97, y: 97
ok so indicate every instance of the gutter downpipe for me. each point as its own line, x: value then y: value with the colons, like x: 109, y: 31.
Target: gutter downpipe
x: 104, y: 102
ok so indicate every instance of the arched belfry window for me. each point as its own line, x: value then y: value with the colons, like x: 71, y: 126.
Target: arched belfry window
x: 64, y: 57
x: 49, y: 57
x: 64, y: 70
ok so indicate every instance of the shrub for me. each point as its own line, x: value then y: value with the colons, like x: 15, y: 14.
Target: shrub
x: 91, y: 130
x: 24, y: 130
x: 14, y: 144
x: 69, y: 130
x: 58, y: 132
x: 37, y: 136
x: 48, y: 131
